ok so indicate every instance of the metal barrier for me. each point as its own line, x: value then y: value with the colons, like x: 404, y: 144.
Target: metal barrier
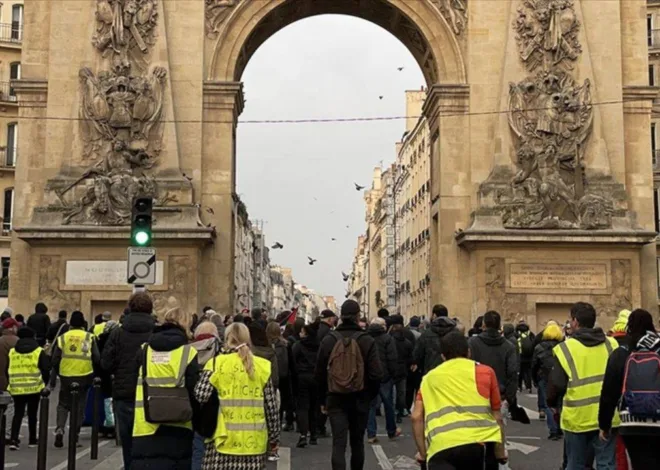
x: 96, y: 415
x: 42, y: 450
x: 73, y: 426
x: 5, y: 401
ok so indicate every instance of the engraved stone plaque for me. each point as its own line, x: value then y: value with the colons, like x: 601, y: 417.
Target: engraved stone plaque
x: 535, y: 276
x: 102, y: 273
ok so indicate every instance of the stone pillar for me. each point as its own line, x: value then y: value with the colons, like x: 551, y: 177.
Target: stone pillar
x: 223, y: 103
x: 446, y: 109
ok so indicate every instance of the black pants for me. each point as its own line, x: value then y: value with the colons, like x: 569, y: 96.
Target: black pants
x: 643, y: 451
x: 307, y: 406
x: 525, y: 375
x: 413, y: 381
x: 467, y: 457
x: 348, y: 424
x: 287, y: 407
x: 31, y: 402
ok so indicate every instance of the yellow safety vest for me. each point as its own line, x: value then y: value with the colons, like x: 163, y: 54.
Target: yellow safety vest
x: 455, y: 412
x: 98, y: 329
x: 76, y: 347
x: 24, y: 374
x: 585, y: 368
x: 241, y: 428
x: 165, y: 369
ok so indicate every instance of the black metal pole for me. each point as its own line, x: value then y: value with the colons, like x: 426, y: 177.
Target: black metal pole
x: 96, y: 412
x: 73, y: 426
x: 42, y: 451
x: 3, y: 431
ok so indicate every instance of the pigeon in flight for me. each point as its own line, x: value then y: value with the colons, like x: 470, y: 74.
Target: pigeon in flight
x: 311, y: 260
x: 399, y: 69
x: 333, y: 239
x: 358, y: 187
x: 277, y: 246
x: 380, y: 97
x: 345, y: 276
x: 210, y: 210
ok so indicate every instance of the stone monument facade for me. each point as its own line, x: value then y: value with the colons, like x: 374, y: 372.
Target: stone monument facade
x: 539, y: 112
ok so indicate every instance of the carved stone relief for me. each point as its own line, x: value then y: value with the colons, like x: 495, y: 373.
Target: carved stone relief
x: 511, y: 307
x: 217, y: 11
x: 180, y: 285
x: 455, y: 12
x: 49, y: 286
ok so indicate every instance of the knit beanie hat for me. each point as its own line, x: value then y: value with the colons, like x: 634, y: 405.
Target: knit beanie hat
x: 77, y: 319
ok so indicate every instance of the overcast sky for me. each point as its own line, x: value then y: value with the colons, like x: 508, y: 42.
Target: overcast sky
x: 299, y: 178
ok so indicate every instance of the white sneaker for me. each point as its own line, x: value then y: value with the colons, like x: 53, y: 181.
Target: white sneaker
x: 273, y: 457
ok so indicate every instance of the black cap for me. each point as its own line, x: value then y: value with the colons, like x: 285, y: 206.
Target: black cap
x: 328, y: 314
x: 350, y: 308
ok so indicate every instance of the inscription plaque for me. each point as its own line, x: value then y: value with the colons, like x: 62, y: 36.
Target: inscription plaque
x: 102, y: 273
x: 558, y: 276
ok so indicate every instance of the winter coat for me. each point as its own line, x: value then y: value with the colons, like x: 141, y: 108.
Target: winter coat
x: 492, y: 349
x: 386, y: 351
x: 427, y: 353
x: 543, y: 361
x: 404, y: 350
x: 7, y: 341
x: 523, y: 329
x: 373, y: 371
x: 414, y: 332
x: 54, y: 328
x: 305, y: 354
x: 119, y: 353
x: 26, y: 346
x: 39, y: 322
x: 105, y: 376
x: 267, y: 352
x: 324, y: 329
x: 283, y: 354
x: 171, y: 447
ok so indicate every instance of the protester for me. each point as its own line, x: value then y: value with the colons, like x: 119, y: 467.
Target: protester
x: 542, y: 363
x: 509, y: 332
x: 385, y: 315
x: 295, y: 334
x: 413, y: 327
x: 40, y: 322
x: 8, y: 341
x: 284, y: 366
x: 60, y: 326
x: 347, y: 402
x: 477, y: 327
x: 454, y: 396
x: 219, y: 323
x: 526, y: 351
x: 166, y: 357
x: 99, y: 323
x: 75, y: 356
x: 388, y: 359
x: 305, y: 354
x: 262, y: 348
x: 427, y: 354
x: 118, y: 360
x: 20, y: 319
x: 577, y: 375
x: 29, y: 372
x: 404, y: 350
x: 626, y: 377
x: 238, y: 376
x: 328, y: 322
x: 8, y: 312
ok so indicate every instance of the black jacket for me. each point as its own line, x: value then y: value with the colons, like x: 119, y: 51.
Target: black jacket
x: 28, y: 345
x: 404, y: 350
x: 54, y: 328
x: 171, y: 447
x: 324, y: 329
x: 305, y: 355
x: 543, y: 360
x: 118, y: 358
x: 386, y: 351
x: 39, y: 322
x: 427, y: 353
x: 558, y: 380
x: 492, y: 349
x: 373, y: 371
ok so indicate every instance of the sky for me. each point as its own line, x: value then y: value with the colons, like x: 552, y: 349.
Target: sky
x: 299, y: 178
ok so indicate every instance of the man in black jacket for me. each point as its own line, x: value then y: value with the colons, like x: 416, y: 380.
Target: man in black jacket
x: 118, y: 359
x: 348, y: 412
x: 55, y: 327
x: 427, y: 354
x: 327, y: 323
x: 39, y: 322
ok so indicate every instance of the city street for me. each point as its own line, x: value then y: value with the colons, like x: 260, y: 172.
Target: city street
x: 529, y: 450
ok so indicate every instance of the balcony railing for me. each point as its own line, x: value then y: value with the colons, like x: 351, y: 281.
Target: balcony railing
x: 8, y: 158
x: 7, y: 93
x: 11, y: 32
x: 655, y: 159
x: 653, y: 38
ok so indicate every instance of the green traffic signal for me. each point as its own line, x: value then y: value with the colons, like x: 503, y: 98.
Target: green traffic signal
x: 141, y: 238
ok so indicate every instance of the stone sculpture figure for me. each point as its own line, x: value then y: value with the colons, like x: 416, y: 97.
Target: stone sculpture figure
x: 217, y: 11
x: 455, y: 11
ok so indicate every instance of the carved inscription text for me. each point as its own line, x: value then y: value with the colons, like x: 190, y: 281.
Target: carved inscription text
x: 558, y: 276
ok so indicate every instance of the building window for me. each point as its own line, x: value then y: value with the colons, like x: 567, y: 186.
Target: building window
x: 12, y: 144
x: 17, y: 22
x: 14, y: 74
x: 654, y: 147
x: 651, y: 75
x: 8, y: 210
x: 649, y: 29
x: 656, y: 208
x: 4, y: 281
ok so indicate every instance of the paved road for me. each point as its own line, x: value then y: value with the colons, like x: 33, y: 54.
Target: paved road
x: 528, y: 446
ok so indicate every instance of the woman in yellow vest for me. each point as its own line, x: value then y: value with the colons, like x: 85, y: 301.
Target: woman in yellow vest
x: 248, y: 424
x: 29, y: 372
x: 170, y: 360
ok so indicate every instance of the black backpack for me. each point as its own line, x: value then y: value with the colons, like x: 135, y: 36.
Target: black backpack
x: 641, y: 385
x: 526, y: 344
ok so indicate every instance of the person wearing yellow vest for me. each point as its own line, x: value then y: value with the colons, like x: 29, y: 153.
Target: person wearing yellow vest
x: 29, y: 372
x: 577, y: 375
x: 75, y: 357
x: 171, y: 362
x: 457, y: 410
x: 248, y: 422
x: 100, y: 322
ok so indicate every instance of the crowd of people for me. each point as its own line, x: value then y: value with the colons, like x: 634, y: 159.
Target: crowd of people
x: 216, y: 391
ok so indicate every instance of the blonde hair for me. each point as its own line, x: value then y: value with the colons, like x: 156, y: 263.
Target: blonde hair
x: 237, y: 339
x: 553, y: 332
x: 273, y: 332
x: 379, y: 321
x: 206, y: 328
x: 178, y: 317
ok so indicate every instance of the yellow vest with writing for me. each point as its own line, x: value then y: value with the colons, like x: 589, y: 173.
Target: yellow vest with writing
x: 24, y: 374
x: 76, y: 347
x: 167, y: 369
x: 98, y: 329
x: 585, y: 368
x: 455, y: 413
x: 241, y: 428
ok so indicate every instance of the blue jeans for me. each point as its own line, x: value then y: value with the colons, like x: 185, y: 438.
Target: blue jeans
x: 553, y: 426
x: 198, y: 452
x: 577, y: 448
x: 386, y: 396
x: 125, y: 411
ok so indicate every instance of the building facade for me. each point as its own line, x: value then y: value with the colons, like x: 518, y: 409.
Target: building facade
x: 243, y: 258
x: 283, y: 287
x: 263, y: 293
x: 357, y: 279
x: 653, y: 41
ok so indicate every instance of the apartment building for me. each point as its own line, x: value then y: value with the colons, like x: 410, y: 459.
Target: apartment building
x: 653, y: 41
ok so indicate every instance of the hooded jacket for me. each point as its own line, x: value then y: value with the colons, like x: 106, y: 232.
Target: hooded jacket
x: 386, y: 351
x: 267, y: 352
x: 118, y: 357
x: 7, y: 341
x: 305, y: 354
x: 492, y: 349
x: 543, y: 361
x: 427, y: 353
x: 523, y: 329
x: 558, y: 380
x: 26, y: 346
x: 39, y: 322
x: 404, y: 350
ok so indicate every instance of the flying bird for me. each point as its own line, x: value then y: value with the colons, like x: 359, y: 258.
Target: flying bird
x: 358, y: 187
x: 311, y: 260
x: 277, y: 246
x: 210, y: 210
x: 345, y: 276
x: 399, y: 69
x: 348, y: 226
x: 380, y: 97
x: 333, y: 239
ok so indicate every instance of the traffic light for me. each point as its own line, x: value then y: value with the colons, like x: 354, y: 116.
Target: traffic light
x: 141, y: 220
